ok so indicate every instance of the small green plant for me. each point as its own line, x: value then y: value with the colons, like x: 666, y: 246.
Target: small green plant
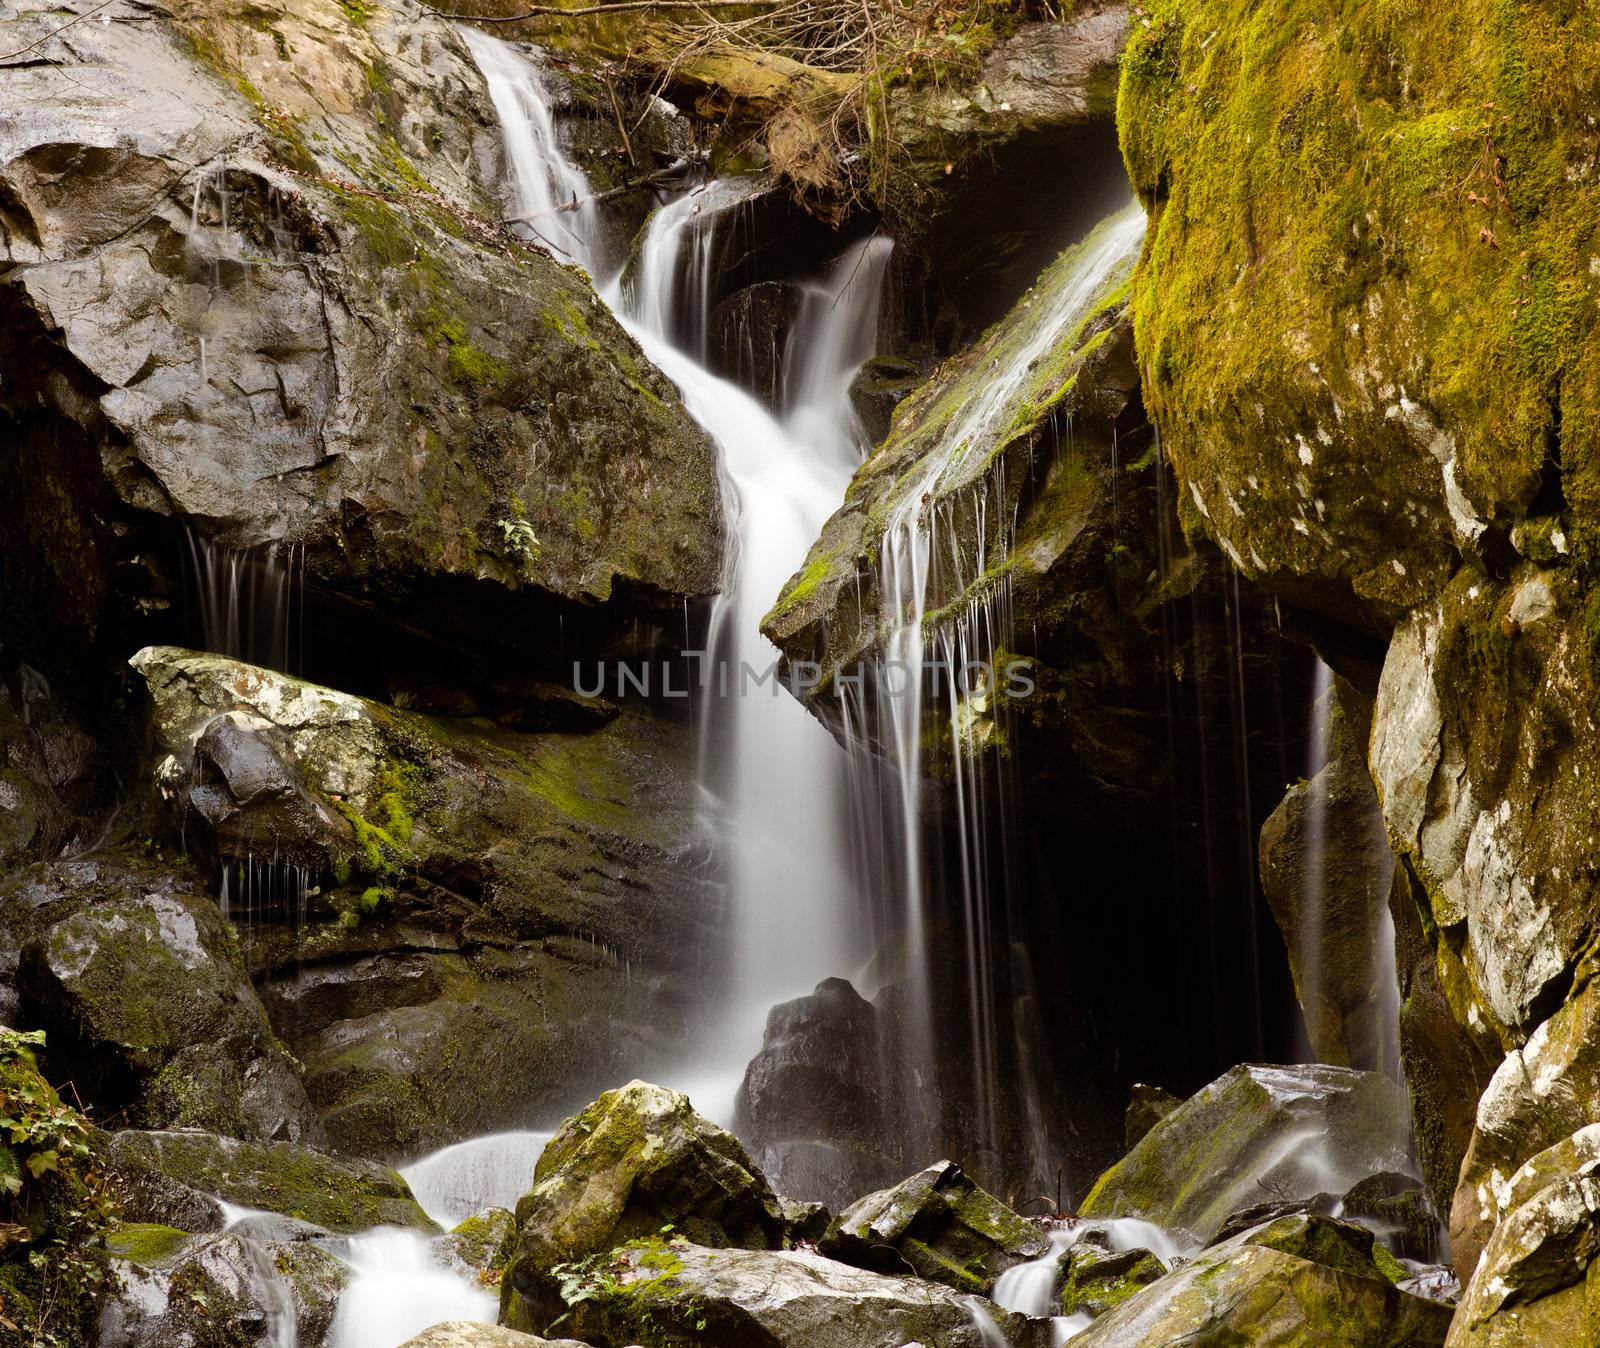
x: 517, y: 540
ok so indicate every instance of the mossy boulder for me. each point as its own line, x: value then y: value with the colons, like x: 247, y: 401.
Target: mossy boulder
x: 1535, y: 1281
x: 1296, y: 1281
x: 677, y: 1295
x: 1094, y: 1279
x: 161, y: 1172
x: 939, y: 1224
x: 1147, y: 1106
x: 141, y: 984
x: 1290, y: 1132
x: 474, y: 885
x: 483, y: 1242
x: 635, y: 1163
x: 284, y: 314
x: 1365, y: 307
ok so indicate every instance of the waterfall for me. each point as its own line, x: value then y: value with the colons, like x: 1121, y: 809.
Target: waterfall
x: 947, y: 614
x: 250, y: 601
x: 776, y: 777
x: 1311, y: 903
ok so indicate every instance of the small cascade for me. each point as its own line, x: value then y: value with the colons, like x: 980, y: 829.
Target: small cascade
x: 460, y: 1181
x: 250, y: 601
x: 399, y: 1285
x: 948, y: 616
x: 255, y: 1231
x: 777, y: 778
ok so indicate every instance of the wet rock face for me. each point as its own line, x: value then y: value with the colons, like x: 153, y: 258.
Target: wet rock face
x: 1531, y: 1285
x: 140, y: 985
x: 634, y: 1165
x: 1483, y: 751
x: 941, y: 1225
x: 1327, y: 871
x: 1288, y: 1132
x: 811, y: 1105
x: 475, y: 885
x: 287, y: 315
x: 681, y: 1294
x: 1295, y: 1280
x: 176, y: 1288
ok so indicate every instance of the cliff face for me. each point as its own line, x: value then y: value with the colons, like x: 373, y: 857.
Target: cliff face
x: 254, y: 283
x: 1366, y: 320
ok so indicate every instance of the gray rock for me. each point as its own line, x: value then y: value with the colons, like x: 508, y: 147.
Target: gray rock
x: 749, y: 331
x: 287, y: 314
x: 939, y: 1225
x: 1257, y: 1133
x: 468, y: 1334
x: 675, y: 1293
x: 477, y: 885
x: 1531, y: 1285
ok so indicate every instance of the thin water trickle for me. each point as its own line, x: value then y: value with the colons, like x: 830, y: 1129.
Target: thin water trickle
x: 1316, y: 827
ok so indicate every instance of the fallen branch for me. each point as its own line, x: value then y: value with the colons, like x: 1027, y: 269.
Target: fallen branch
x: 39, y: 42
x: 560, y: 12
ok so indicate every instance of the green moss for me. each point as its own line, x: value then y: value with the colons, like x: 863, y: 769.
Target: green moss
x: 144, y: 1242
x: 468, y: 365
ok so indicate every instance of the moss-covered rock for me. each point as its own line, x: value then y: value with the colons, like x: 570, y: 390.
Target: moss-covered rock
x: 161, y: 1169
x: 1291, y: 1132
x: 1147, y: 1106
x: 469, y: 1334
x: 141, y: 985
x: 1296, y: 1282
x: 476, y: 886
x: 1094, y: 1280
x: 678, y: 1295
x: 637, y: 1163
x: 939, y: 1224
x: 292, y: 314
x: 1365, y: 302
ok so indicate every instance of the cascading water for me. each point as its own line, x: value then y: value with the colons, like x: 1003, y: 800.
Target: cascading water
x: 924, y: 565
x: 777, y: 775
x: 1311, y: 917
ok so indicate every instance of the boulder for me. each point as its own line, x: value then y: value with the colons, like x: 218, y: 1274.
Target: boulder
x: 162, y: 1176
x: 286, y: 314
x: 938, y: 1224
x: 1094, y: 1279
x: 174, y: 1288
x: 1297, y: 1280
x: 483, y: 1243
x: 140, y: 983
x: 749, y: 331
x: 442, y: 881
x: 673, y: 1293
x: 811, y: 1104
x: 1531, y: 1286
x: 1327, y: 872
x: 635, y: 1163
x: 1147, y: 1106
x: 469, y: 1334
x: 1286, y: 1132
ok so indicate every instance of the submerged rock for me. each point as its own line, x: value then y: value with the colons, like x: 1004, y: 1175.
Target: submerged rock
x: 1289, y: 1133
x: 811, y: 1103
x: 1295, y: 1281
x: 163, y: 1175
x: 478, y: 885
x: 637, y: 1163
x: 676, y: 1294
x: 141, y: 986
x: 941, y: 1226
